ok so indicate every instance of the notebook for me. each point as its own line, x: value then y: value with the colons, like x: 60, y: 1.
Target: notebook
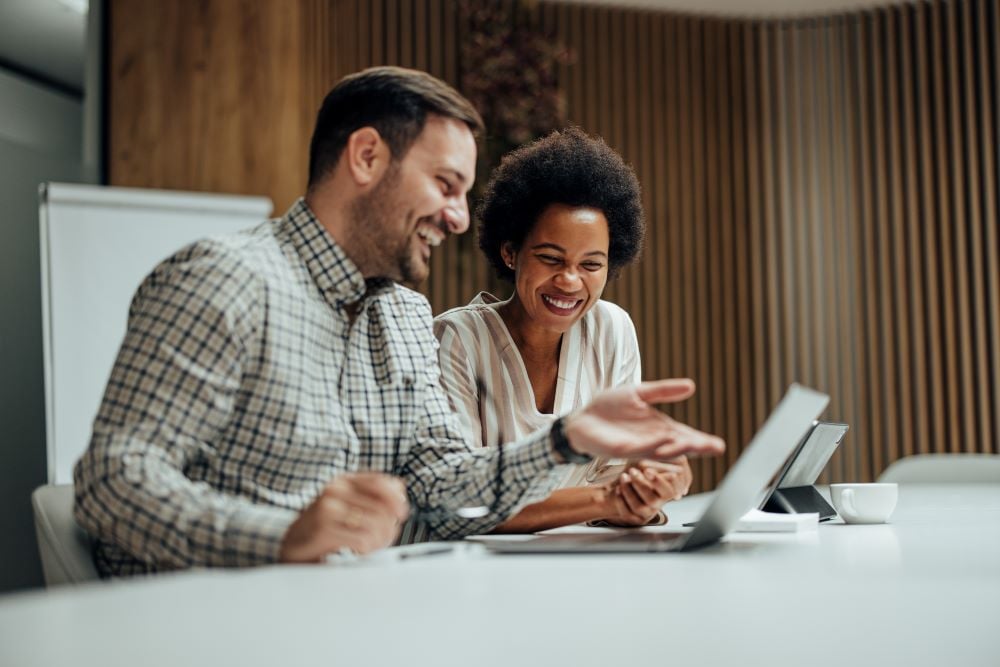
x: 738, y: 493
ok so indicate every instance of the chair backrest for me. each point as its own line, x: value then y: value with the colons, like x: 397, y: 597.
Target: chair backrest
x: 944, y: 469
x: 64, y: 547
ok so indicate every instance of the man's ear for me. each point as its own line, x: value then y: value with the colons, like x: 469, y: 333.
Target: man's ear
x: 366, y: 156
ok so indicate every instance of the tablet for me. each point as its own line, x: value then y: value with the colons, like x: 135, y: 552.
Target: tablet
x: 809, y: 458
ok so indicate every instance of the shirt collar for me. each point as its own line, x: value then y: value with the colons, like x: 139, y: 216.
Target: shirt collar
x: 339, y: 280
x: 484, y: 298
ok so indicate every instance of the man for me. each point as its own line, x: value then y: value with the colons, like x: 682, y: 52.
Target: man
x: 276, y: 395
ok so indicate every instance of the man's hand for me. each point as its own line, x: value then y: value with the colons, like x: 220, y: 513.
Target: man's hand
x: 361, y: 512
x: 639, y: 493
x: 622, y: 423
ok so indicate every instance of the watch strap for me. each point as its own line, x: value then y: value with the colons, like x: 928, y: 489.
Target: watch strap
x: 560, y: 443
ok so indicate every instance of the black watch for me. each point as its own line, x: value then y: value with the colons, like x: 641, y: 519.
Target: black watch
x: 560, y: 443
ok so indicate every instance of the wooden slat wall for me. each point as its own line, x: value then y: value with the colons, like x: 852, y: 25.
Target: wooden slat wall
x: 821, y: 194
x: 209, y: 96
x: 822, y: 205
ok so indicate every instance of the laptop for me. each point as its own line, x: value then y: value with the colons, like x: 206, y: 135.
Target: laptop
x: 738, y: 493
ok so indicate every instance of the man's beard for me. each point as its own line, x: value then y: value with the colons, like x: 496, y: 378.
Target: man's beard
x: 374, y: 250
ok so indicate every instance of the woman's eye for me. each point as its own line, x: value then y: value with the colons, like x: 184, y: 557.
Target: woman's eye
x: 549, y: 259
x: 593, y: 266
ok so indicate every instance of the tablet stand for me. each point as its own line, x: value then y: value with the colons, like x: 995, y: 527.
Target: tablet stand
x: 799, y: 500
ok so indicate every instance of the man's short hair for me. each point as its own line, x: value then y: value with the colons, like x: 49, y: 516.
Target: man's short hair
x: 393, y: 100
x: 566, y: 167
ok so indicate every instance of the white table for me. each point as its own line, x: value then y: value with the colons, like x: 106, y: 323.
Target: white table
x: 923, y: 590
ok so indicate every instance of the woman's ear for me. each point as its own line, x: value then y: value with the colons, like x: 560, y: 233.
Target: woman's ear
x: 508, y: 254
x: 366, y: 156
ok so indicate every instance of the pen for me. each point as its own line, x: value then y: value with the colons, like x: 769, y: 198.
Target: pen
x: 429, y: 551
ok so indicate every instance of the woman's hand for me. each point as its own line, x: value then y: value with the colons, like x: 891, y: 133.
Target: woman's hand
x: 636, y: 497
x: 677, y: 472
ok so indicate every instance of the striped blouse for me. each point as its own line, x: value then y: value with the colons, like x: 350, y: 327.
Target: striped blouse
x: 600, y: 351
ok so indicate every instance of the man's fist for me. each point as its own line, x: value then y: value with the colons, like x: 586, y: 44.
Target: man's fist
x: 360, y: 511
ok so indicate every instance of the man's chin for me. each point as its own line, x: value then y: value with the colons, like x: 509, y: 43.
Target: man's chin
x: 415, y: 272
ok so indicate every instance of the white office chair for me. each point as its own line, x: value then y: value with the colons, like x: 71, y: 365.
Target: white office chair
x: 64, y: 547
x: 944, y: 469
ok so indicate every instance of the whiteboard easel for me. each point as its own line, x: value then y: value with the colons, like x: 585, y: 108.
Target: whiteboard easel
x: 97, y: 245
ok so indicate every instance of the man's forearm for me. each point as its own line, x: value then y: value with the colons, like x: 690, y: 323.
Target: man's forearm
x: 143, y: 505
x: 504, y: 481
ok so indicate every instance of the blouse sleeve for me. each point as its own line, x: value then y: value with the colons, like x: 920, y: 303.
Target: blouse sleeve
x: 628, y: 366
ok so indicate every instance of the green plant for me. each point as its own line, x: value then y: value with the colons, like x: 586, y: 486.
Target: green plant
x: 510, y: 73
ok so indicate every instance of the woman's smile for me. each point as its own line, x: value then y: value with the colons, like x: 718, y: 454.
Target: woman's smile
x: 561, y: 305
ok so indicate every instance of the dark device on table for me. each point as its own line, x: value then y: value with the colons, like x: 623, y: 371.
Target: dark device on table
x: 792, y: 491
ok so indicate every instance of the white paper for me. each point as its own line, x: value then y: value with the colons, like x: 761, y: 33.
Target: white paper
x: 756, y: 521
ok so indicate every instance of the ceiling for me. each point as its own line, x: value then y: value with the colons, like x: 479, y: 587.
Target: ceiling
x: 45, y: 40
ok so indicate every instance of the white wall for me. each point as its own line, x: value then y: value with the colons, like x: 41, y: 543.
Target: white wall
x: 40, y: 140
x: 39, y: 119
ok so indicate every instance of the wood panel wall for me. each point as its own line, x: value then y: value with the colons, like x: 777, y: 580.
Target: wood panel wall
x: 210, y: 96
x: 821, y: 194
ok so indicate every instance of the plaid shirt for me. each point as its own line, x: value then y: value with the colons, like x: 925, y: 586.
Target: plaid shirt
x: 242, y: 388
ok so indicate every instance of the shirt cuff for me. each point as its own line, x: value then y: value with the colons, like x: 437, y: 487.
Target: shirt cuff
x: 543, y: 464
x: 659, y: 520
x: 254, y: 534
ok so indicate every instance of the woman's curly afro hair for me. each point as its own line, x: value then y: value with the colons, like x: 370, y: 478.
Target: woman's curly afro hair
x: 566, y: 167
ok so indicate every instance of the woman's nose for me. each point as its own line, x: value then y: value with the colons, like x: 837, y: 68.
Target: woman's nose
x: 568, y: 276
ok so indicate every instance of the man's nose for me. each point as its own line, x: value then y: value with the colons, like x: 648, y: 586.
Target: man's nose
x: 456, y: 216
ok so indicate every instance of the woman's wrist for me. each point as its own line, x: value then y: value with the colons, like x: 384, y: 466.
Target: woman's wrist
x: 610, y: 503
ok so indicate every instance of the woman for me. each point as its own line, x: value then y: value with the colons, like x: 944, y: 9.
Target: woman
x: 559, y: 217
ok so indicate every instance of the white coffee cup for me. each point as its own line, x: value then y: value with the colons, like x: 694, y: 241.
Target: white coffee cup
x: 864, y: 503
